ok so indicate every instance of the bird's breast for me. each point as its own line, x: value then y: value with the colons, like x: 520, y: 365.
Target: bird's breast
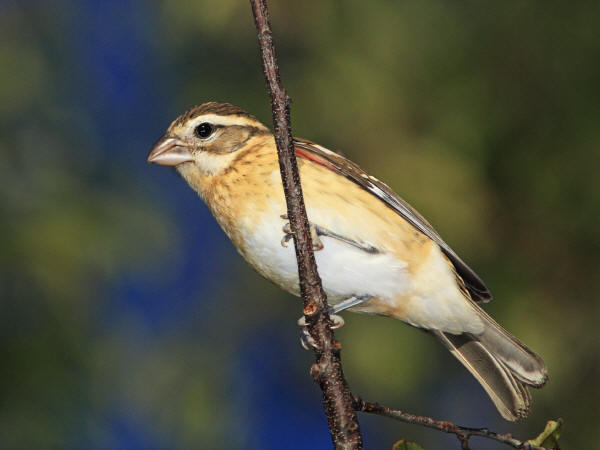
x: 255, y: 226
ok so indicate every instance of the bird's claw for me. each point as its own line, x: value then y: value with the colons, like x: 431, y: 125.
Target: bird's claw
x: 288, y: 234
x: 306, y: 340
x: 336, y: 321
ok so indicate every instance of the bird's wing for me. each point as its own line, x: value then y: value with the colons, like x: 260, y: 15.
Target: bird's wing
x: 337, y: 163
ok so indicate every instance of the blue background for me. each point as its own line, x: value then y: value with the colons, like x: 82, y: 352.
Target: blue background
x: 128, y: 321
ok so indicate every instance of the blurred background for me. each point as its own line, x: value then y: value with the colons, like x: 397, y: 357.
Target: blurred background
x: 128, y: 321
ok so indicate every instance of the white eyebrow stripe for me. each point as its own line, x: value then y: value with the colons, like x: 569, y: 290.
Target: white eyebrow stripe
x: 216, y: 119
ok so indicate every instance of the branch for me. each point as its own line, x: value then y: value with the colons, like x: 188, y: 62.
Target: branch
x: 327, y: 371
x: 462, y: 433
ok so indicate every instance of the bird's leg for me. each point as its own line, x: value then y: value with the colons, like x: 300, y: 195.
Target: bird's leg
x: 288, y: 234
x: 321, y: 231
x: 337, y: 321
x: 317, y: 230
x: 350, y: 302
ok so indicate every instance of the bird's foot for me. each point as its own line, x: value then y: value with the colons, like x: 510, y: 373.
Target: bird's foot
x: 307, y: 340
x: 288, y: 234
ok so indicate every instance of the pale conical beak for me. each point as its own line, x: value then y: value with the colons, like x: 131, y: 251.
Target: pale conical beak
x: 169, y: 151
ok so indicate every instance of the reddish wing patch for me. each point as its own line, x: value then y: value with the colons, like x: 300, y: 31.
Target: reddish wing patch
x: 313, y: 157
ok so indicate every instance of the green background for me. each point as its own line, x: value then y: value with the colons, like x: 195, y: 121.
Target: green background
x: 127, y: 320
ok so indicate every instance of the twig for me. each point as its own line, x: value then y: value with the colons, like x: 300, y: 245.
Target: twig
x: 462, y: 433
x: 327, y: 371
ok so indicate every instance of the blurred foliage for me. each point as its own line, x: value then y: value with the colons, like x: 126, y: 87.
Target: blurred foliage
x: 120, y: 326
x: 406, y: 445
x: 549, y: 437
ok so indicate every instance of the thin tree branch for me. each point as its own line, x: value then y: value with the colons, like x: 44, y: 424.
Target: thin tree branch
x: 327, y: 371
x: 462, y: 433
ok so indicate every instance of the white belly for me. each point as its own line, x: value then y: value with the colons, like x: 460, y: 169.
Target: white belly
x: 344, y: 269
x: 430, y: 298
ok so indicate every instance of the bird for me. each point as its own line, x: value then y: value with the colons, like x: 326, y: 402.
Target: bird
x: 375, y: 253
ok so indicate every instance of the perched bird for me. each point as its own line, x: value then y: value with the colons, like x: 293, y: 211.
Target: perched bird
x: 376, y: 254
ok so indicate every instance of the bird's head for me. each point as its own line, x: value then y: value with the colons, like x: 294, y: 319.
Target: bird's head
x: 205, y: 139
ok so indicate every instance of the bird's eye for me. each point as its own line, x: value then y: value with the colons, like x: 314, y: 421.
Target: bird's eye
x: 203, y: 130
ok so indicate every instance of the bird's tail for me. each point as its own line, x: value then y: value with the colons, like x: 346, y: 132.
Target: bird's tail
x: 501, y: 363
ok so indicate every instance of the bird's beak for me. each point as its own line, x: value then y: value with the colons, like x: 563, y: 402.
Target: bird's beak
x: 169, y: 151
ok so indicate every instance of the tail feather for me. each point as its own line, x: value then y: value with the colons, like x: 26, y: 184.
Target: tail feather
x: 502, y: 365
x: 525, y: 364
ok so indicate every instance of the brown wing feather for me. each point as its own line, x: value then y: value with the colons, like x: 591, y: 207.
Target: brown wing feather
x: 341, y: 165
